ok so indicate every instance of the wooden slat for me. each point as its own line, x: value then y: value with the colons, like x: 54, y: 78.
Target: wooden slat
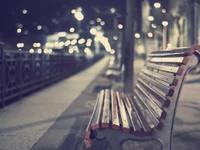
x: 114, y: 111
x: 157, y: 123
x: 167, y: 79
x: 166, y: 89
x: 88, y: 143
x: 176, y: 70
x: 88, y: 129
x: 175, y: 60
x: 132, y: 116
x: 178, y: 52
x: 123, y: 115
x: 184, y: 51
x: 165, y: 102
x: 161, y: 113
x: 145, y: 126
x: 106, y: 110
x: 96, y: 118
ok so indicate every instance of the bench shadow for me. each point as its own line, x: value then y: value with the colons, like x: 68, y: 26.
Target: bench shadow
x: 75, y: 141
x: 141, y: 145
x: 29, y: 125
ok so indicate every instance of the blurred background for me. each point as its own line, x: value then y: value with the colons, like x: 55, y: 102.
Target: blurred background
x: 89, y: 27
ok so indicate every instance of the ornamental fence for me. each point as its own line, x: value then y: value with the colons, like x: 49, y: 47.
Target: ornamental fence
x: 22, y: 72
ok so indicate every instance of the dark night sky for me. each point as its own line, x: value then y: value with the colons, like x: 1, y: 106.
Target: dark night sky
x: 41, y: 12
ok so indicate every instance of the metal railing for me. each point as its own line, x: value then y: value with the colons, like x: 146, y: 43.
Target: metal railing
x: 23, y: 72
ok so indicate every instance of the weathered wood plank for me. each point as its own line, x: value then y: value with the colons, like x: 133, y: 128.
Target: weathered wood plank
x: 174, y: 60
x: 182, y: 51
x: 96, y: 118
x: 164, y: 101
x: 105, y: 122
x: 150, y: 102
x: 167, y: 79
x: 166, y: 89
x: 114, y: 111
x: 122, y: 113
x: 145, y: 126
x: 157, y: 123
x: 132, y: 116
x: 176, y: 70
x: 88, y: 142
x: 88, y: 129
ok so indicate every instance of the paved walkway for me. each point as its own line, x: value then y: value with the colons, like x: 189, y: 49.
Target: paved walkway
x: 56, y: 117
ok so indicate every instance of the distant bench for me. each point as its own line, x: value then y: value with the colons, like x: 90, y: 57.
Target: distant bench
x: 114, y: 71
x: 149, y: 113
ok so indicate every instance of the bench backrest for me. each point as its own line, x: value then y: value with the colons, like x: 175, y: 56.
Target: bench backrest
x: 154, y: 101
x: 159, y: 84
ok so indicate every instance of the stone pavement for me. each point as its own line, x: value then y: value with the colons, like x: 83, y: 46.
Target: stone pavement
x: 56, y: 117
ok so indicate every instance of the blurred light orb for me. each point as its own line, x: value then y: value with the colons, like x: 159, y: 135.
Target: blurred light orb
x: 157, y: 5
x: 79, y: 9
x: 102, y: 23
x: 73, y: 11
x: 31, y: 50
x: 71, y: 50
x: 150, y: 18
x: 71, y: 29
x: 61, y: 44
x: 24, y: 11
x: 98, y: 19
x: 81, y: 41
x: 39, y: 50
x: 73, y: 42
x: 137, y: 35
x: 87, y: 51
x: 67, y: 43
x: 88, y: 44
x: 163, y: 11
x: 112, y: 10
x: 150, y: 34
x: 120, y: 26
x: 153, y: 26
x: 46, y: 50
x: 89, y: 40
x: 39, y: 27
x: 20, y: 45
x: 19, y: 30
x: 165, y: 23
x: 79, y: 16
x: 50, y: 51
x: 115, y: 38
x: 93, y: 31
x: 62, y: 34
x: 112, y: 51
x: 38, y: 44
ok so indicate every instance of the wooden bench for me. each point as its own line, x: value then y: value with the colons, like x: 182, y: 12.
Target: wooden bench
x: 115, y: 74
x: 149, y: 113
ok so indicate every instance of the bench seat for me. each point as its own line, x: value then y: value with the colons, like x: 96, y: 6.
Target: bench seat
x: 147, y: 113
